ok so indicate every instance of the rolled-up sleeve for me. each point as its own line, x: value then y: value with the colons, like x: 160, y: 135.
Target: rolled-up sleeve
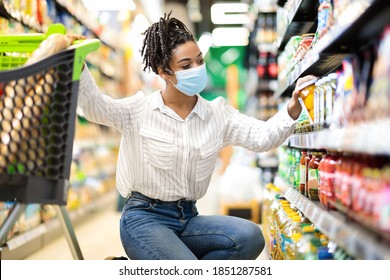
x: 257, y: 135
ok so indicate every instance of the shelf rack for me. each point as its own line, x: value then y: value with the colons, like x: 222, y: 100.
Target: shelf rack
x: 368, y: 138
x: 338, y: 43
x: 301, y: 19
x: 355, y: 238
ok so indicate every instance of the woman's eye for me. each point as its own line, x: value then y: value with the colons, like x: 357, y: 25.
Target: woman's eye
x: 186, y: 66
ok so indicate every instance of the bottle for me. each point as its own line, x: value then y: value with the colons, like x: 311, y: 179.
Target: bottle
x: 312, y: 180
x: 384, y: 205
x: 303, y: 246
x: 302, y: 173
x: 330, y: 90
x: 307, y: 160
x: 323, y: 180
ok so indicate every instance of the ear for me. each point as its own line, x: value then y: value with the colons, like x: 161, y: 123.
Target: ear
x: 164, y: 72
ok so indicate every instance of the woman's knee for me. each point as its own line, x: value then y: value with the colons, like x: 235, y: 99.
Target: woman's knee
x: 253, y: 240
x: 249, y: 239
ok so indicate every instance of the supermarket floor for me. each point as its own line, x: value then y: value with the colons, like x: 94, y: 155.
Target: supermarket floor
x: 98, y: 236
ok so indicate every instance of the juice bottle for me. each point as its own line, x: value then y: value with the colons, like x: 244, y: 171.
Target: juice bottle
x: 312, y: 180
x: 302, y: 172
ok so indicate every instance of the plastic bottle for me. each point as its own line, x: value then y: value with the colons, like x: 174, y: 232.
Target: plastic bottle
x: 303, y: 246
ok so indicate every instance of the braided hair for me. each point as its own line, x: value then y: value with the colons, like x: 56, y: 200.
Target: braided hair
x: 161, y: 38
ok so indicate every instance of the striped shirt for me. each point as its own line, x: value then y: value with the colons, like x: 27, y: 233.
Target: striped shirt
x: 169, y: 158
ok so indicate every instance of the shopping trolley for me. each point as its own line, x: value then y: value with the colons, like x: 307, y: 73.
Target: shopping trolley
x: 37, y: 121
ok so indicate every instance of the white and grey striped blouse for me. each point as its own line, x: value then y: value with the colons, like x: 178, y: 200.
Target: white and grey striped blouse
x: 165, y: 157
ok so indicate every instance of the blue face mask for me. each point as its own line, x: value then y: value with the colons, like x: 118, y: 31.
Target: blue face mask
x: 191, y: 81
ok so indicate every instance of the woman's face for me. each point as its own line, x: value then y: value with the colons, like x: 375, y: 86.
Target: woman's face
x: 185, y: 56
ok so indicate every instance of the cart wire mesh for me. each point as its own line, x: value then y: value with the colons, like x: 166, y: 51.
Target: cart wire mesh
x: 37, y: 116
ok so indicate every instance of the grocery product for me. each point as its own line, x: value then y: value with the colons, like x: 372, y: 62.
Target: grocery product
x: 307, y: 160
x: 325, y: 17
x: 51, y: 45
x: 330, y: 88
x: 313, y: 177
x: 304, y: 46
x: 378, y: 102
x: 302, y: 172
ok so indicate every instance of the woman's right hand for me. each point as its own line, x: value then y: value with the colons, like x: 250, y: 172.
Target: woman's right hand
x: 294, y: 107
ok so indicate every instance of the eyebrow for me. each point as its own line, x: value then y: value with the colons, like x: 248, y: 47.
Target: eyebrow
x: 185, y: 59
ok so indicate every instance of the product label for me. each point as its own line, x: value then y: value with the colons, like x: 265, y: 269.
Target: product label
x: 302, y: 174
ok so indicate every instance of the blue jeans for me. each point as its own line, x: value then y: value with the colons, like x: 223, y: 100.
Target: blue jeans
x: 151, y: 229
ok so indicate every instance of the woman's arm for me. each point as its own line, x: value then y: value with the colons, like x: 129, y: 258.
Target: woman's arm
x: 260, y: 136
x: 101, y: 108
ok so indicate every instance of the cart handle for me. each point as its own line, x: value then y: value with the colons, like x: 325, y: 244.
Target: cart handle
x: 82, y: 49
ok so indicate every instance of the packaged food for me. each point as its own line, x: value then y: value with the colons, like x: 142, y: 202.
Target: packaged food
x: 325, y: 17
x: 304, y: 46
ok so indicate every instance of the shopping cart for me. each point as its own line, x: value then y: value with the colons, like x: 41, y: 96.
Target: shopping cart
x: 37, y: 121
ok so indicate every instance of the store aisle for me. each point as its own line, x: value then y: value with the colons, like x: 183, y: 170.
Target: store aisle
x: 98, y: 237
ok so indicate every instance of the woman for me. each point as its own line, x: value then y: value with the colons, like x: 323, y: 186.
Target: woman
x: 168, y: 151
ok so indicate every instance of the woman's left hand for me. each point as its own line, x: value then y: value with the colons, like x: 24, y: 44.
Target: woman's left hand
x: 294, y: 107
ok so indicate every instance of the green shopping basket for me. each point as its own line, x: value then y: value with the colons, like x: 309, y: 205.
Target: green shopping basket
x: 37, y: 117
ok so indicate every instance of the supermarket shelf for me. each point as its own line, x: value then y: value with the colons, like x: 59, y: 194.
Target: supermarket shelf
x: 360, y: 30
x: 313, y: 63
x: 369, y: 138
x: 7, y: 11
x: 331, y: 49
x: 300, y: 19
x: 67, y: 6
x: 25, y: 243
x: 353, y: 237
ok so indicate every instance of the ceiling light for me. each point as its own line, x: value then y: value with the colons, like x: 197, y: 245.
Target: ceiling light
x: 230, y: 36
x: 229, y: 13
x: 111, y: 5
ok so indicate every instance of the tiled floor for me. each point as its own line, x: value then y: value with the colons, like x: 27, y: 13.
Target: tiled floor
x: 98, y: 236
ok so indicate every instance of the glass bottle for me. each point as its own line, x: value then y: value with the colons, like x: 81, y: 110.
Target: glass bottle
x: 307, y: 160
x: 312, y: 179
x: 302, y: 172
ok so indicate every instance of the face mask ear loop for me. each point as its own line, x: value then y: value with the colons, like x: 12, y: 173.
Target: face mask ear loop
x: 171, y: 82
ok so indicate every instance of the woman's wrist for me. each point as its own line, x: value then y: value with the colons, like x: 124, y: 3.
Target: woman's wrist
x: 294, y: 108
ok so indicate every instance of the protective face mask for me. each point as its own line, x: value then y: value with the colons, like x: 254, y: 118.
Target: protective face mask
x: 191, y: 81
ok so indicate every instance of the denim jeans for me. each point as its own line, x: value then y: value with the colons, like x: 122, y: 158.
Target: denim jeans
x: 155, y: 230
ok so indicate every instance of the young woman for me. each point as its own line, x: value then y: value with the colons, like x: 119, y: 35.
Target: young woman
x: 168, y: 151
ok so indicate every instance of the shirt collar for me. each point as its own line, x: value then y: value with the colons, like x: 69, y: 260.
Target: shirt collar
x: 158, y: 103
